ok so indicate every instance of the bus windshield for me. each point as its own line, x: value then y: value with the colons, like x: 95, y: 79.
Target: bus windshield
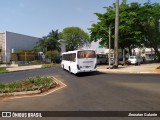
x: 86, y: 54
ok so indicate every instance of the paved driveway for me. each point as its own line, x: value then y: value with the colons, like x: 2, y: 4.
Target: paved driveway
x: 143, y: 68
x: 90, y: 92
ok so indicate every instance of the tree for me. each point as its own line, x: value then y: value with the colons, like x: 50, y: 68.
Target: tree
x: 116, y: 34
x: 149, y: 24
x: 138, y: 25
x: 129, y: 34
x: 53, y: 55
x: 74, y: 37
x: 41, y: 45
x: 49, y: 42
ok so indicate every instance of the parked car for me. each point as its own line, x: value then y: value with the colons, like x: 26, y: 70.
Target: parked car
x: 136, y: 60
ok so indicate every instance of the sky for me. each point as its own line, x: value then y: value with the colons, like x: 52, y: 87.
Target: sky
x: 38, y: 17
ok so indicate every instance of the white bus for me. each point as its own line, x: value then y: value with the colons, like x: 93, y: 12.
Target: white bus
x: 102, y: 58
x: 79, y: 61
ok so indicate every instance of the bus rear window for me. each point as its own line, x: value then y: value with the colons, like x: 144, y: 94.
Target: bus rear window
x: 86, y: 54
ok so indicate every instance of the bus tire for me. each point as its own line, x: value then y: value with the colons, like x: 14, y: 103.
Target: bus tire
x: 70, y: 70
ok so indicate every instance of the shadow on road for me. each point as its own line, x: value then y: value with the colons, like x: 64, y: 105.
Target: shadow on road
x: 88, y: 74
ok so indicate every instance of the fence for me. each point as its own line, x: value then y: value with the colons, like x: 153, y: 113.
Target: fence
x: 2, y: 57
x: 19, y: 57
x: 23, y: 56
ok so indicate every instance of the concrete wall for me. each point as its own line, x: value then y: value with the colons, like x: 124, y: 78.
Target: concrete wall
x: 63, y: 46
x: 18, y: 41
x: 2, y: 46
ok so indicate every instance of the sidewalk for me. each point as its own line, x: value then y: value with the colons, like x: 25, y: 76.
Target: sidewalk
x: 20, y: 68
x: 142, y: 69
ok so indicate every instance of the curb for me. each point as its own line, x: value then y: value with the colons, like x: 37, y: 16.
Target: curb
x: 19, y: 70
x: 26, y: 70
x: 117, y: 72
x: 20, y: 93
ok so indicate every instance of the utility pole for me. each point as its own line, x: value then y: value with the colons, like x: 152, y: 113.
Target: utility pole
x: 25, y: 57
x: 116, y: 35
x: 109, y: 47
x: 109, y: 32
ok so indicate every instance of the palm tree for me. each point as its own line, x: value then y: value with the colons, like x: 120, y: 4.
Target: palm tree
x: 49, y: 42
x: 54, y: 34
x: 53, y: 40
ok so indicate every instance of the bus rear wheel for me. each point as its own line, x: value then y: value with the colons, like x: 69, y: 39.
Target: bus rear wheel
x: 70, y: 70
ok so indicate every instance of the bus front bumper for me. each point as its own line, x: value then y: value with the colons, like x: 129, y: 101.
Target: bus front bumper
x: 80, y: 71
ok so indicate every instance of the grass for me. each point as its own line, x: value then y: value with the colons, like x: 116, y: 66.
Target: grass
x: 3, y: 70
x: 44, y: 64
x: 35, y: 62
x: 154, y: 61
x: 29, y: 84
x: 50, y: 65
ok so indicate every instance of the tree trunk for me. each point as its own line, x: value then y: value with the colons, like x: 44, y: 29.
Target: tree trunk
x: 157, y: 53
x: 116, y: 34
x: 130, y: 53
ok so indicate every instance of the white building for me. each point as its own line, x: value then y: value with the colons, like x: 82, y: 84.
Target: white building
x: 63, y: 45
x: 12, y: 42
x: 147, y: 53
x: 97, y: 47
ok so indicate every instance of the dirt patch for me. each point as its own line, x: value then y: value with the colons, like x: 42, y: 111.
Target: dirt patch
x: 157, y: 70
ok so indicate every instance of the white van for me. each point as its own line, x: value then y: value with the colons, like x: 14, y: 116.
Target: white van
x: 135, y: 60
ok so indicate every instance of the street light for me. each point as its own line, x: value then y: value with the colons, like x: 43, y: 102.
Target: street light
x: 109, y: 32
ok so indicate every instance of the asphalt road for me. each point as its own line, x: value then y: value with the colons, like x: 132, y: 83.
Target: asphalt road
x: 90, y: 92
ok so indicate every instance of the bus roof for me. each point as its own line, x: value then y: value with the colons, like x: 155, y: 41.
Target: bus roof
x: 75, y: 51
x: 101, y: 53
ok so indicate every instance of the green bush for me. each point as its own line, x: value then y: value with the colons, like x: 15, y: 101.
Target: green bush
x: 11, y: 87
x: 52, y: 55
x: 49, y: 65
x: 35, y: 62
x: 3, y: 70
x: 2, y: 87
x: 154, y: 61
x: 30, y: 84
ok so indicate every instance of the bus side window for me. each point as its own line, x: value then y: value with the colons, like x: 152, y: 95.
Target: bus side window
x: 70, y: 57
x: 80, y: 54
x: 67, y: 57
x: 74, y: 57
x: 64, y: 57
